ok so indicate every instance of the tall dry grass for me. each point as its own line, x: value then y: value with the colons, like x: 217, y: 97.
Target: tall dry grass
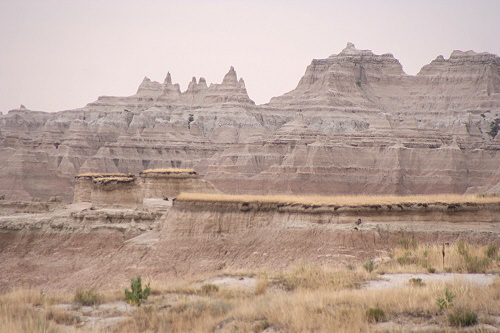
x: 459, y: 257
x: 321, y: 300
x: 342, y: 200
x: 169, y: 170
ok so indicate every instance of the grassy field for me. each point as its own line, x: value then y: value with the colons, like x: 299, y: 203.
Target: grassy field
x: 343, y: 200
x: 304, y: 298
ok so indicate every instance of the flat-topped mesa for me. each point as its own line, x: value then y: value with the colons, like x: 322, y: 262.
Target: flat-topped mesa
x: 116, y: 191
x: 170, y: 182
x: 346, y: 81
x: 85, y: 184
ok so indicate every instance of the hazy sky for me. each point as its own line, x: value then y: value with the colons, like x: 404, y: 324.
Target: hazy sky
x: 62, y: 54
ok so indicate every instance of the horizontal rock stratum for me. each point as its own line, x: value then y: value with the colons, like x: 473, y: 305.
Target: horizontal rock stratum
x: 355, y: 124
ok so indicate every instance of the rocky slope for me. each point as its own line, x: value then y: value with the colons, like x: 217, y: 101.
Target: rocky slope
x: 356, y: 123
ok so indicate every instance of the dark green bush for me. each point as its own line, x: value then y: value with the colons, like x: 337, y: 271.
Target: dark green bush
x: 369, y: 265
x: 376, y: 315
x: 491, y: 251
x: 462, y: 318
x: 137, y: 295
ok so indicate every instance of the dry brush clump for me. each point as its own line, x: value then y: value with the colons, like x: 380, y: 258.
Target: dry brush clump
x: 460, y: 257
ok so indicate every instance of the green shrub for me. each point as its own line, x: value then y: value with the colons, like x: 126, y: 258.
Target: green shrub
x: 209, y: 288
x: 88, y: 297
x: 494, y: 127
x: 462, y: 318
x: 491, y: 251
x: 376, y: 315
x: 446, y: 302
x: 137, y: 295
x: 369, y: 265
x: 431, y: 270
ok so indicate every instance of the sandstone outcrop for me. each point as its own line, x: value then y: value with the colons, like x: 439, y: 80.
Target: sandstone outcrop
x: 356, y: 123
x: 169, y: 183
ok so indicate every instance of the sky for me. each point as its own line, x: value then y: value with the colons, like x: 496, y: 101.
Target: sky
x: 62, y: 54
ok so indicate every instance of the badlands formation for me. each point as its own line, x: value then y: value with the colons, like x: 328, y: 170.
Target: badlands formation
x: 94, y: 196
x: 355, y: 124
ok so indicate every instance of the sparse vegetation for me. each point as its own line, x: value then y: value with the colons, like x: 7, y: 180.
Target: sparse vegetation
x: 446, y: 301
x: 416, y: 282
x: 460, y: 257
x: 447, y: 199
x: 261, y: 326
x: 408, y: 243
x: 209, y: 289
x: 169, y: 170
x: 494, y: 127
x: 89, y: 297
x: 137, y: 295
x: 375, y: 315
x: 327, y: 307
x: 369, y: 265
x: 491, y: 251
x: 462, y: 318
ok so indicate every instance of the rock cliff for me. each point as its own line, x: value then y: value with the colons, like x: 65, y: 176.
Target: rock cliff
x: 356, y: 123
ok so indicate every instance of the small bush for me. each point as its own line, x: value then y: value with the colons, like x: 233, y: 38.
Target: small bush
x: 462, y: 318
x: 417, y: 282
x: 137, y: 295
x: 209, y: 289
x: 261, y: 326
x: 446, y: 302
x: 476, y: 265
x: 491, y: 251
x: 369, y: 265
x: 408, y: 243
x: 88, y: 297
x: 431, y: 270
x: 463, y: 248
x: 375, y: 315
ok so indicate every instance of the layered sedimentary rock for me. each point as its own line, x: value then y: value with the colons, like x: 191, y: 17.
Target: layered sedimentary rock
x: 168, y: 183
x: 116, y: 191
x: 356, y: 123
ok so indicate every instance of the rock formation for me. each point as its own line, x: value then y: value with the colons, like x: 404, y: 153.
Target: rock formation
x: 356, y: 123
x: 168, y: 183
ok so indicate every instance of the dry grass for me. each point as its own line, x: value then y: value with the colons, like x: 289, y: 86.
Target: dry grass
x: 169, y: 170
x: 361, y: 200
x: 97, y: 175
x: 323, y: 300
x: 18, y: 313
x: 460, y: 257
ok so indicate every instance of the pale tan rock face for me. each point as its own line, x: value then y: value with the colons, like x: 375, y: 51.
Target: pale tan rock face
x: 356, y: 123
x: 167, y: 185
